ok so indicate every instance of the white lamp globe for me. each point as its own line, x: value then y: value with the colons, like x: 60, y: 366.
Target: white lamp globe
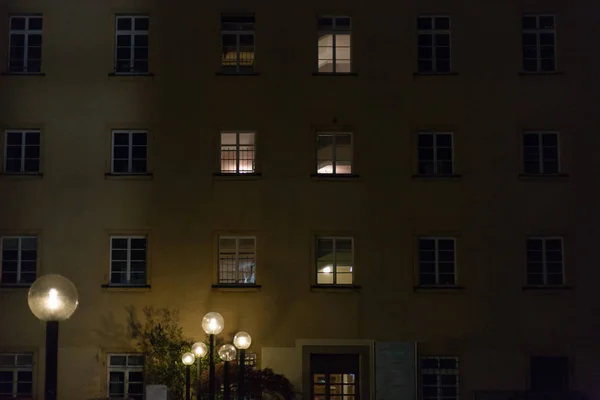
x: 199, y: 349
x: 242, y: 340
x: 213, y: 323
x: 52, y: 298
x: 227, y: 352
x: 188, y: 358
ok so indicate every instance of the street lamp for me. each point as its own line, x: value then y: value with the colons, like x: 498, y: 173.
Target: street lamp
x: 242, y: 341
x: 213, y: 324
x: 187, y: 359
x: 199, y: 349
x: 52, y: 298
x: 227, y: 354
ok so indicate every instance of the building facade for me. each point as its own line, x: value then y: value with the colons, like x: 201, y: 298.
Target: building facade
x: 396, y: 199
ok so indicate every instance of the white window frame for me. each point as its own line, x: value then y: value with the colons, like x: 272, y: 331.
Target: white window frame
x: 538, y: 31
x: 432, y: 32
x: 334, y: 134
x: 544, y: 239
x: 16, y: 368
x: 334, y: 31
x: 436, y: 240
x: 435, y: 150
x: 239, y: 69
x: 23, y: 133
x: 438, y: 372
x: 26, y: 32
x: 334, y: 264
x: 20, y: 238
x: 131, y: 33
x: 126, y: 369
x: 237, y: 152
x: 129, y: 238
x: 237, y: 259
x: 540, y: 147
x: 130, y: 154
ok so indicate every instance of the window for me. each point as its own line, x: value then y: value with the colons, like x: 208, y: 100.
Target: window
x: 550, y: 374
x: 129, y: 152
x: 334, y: 376
x: 237, y: 260
x: 128, y: 255
x: 335, y: 260
x: 545, y: 261
x: 334, y: 45
x: 16, y: 375
x: 435, y: 153
x: 25, y: 39
x: 126, y: 376
x: 237, y: 44
x: 539, y: 43
x: 334, y: 153
x: 250, y: 360
x: 131, y: 49
x: 439, y: 378
x: 434, y: 44
x: 437, y: 264
x: 19, y: 260
x: 540, y: 153
x: 22, y: 152
x: 237, y: 152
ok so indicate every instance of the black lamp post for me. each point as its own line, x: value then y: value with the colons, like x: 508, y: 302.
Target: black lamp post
x: 227, y: 354
x: 212, y: 323
x: 188, y: 360
x: 199, y: 349
x: 242, y: 341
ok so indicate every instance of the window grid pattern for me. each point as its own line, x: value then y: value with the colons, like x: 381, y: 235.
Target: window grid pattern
x: 334, y: 386
x: 335, y: 260
x: 25, y: 44
x: 545, y: 261
x: 125, y: 376
x: 437, y: 261
x: 434, y: 45
x: 435, y: 153
x: 129, y: 152
x: 439, y: 378
x: 131, y: 47
x: 128, y: 260
x: 237, y: 44
x: 16, y: 375
x: 334, y: 45
x: 250, y: 360
x: 237, y: 260
x: 539, y: 43
x: 237, y: 153
x: 19, y: 260
x: 541, y: 153
x: 334, y: 153
x: 22, y: 152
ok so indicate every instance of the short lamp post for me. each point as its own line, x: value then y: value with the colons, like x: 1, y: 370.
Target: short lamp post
x: 213, y: 324
x: 188, y: 360
x: 52, y: 298
x: 242, y: 341
x: 199, y: 349
x: 227, y: 354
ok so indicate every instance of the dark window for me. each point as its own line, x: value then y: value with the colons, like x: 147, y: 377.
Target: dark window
x: 22, y: 152
x: 437, y: 265
x: 237, y: 44
x: 128, y: 260
x: 439, y: 378
x: 16, y: 375
x: 433, y: 45
x: 25, y: 47
x: 539, y: 43
x: 549, y: 374
x: 19, y: 260
x: 126, y: 376
x: 130, y: 152
x: 435, y: 153
x: 545, y: 261
x: 334, y: 376
x: 131, y: 47
x: 237, y: 260
x: 541, y: 153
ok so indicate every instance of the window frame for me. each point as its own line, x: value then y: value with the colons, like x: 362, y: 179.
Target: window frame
x: 334, y: 32
x: 130, y: 146
x: 438, y: 372
x: 538, y: 31
x: 23, y: 133
x: 433, y: 32
x: 126, y: 369
x: 540, y: 148
x: 334, y: 264
x: 15, y: 368
x: 545, y: 273
x: 237, y: 152
x: 237, y: 238
x: 335, y: 134
x: 132, y: 33
x: 26, y: 32
x: 435, y: 160
x: 436, y: 250
x: 19, y: 259
x: 128, y: 261
x: 239, y: 69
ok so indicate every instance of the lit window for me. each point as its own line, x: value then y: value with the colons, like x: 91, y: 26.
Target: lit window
x: 334, y: 376
x: 437, y: 265
x: 541, y: 153
x: 128, y: 259
x: 126, y: 376
x: 22, y: 152
x: 334, y: 45
x: 237, y: 44
x: 435, y: 153
x: 439, y: 378
x: 129, y: 152
x: 16, y: 375
x: 25, y: 37
x: 335, y: 260
x: 237, y: 260
x: 19, y: 260
x: 131, y: 48
x: 434, y: 44
x: 334, y: 153
x: 237, y: 152
x: 539, y: 43
x: 545, y: 261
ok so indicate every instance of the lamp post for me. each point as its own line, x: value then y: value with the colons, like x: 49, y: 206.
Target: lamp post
x: 52, y: 298
x: 242, y: 341
x: 227, y: 354
x: 213, y: 324
x: 187, y: 359
x: 199, y: 349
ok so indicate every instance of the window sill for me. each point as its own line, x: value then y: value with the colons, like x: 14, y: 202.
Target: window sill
x: 125, y: 288
x: 23, y: 74
x: 237, y: 73
x: 438, y: 289
x: 547, y: 289
x: 22, y: 175
x: 335, y: 177
x: 131, y: 74
x: 235, y: 177
x: 335, y: 288
x: 334, y: 74
x: 236, y: 288
x: 538, y: 73
x: 143, y: 177
x: 435, y: 73
x: 543, y: 177
x: 428, y: 177
x: 18, y: 286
